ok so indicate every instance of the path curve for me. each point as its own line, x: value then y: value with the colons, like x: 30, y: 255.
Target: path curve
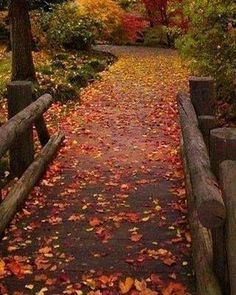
x: 112, y: 204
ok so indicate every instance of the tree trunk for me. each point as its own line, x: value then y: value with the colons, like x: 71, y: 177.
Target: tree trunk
x: 22, y: 59
x: 21, y: 38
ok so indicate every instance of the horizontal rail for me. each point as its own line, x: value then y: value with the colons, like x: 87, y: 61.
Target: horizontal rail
x: 25, y: 184
x: 23, y: 120
x: 208, y: 197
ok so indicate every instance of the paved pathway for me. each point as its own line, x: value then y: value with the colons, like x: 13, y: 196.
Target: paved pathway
x: 112, y: 204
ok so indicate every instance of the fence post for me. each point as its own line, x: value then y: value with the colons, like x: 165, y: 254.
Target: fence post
x: 222, y: 147
x: 202, y: 94
x: 22, y: 151
x: 228, y: 177
x: 41, y: 128
x: 206, y: 124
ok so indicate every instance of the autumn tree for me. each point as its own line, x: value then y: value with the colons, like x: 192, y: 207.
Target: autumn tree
x: 210, y: 43
x: 167, y: 13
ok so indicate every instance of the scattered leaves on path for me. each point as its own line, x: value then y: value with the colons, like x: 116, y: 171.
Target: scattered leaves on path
x: 109, y: 216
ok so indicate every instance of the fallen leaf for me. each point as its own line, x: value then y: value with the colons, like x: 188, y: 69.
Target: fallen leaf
x: 126, y: 286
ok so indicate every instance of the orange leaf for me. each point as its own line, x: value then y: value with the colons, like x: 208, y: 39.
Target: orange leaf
x: 175, y: 289
x: 135, y: 237
x: 94, y: 221
x: 15, y: 268
x: 126, y: 286
x: 2, y: 267
x: 45, y: 250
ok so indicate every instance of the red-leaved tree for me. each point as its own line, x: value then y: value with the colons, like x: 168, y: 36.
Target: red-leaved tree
x: 167, y: 13
x: 133, y: 26
x: 159, y: 12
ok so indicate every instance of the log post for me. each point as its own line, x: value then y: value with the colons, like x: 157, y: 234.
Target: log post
x: 202, y: 94
x: 22, y: 151
x: 222, y: 147
x: 228, y: 180
x: 206, y: 124
x: 41, y: 128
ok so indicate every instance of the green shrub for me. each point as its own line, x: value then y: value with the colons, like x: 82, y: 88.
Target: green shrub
x: 62, y: 91
x: 61, y: 56
x: 97, y: 65
x: 210, y: 44
x: 58, y: 64
x: 155, y: 37
x: 65, y: 28
x: 78, y: 79
x: 65, y: 92
x: 46, y: 70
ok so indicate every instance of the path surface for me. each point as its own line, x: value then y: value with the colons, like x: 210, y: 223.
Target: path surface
x: 112, y: 204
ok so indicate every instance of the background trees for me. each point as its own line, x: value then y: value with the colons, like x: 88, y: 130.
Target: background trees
x: 205, y: 30
x: 210, y: 42
x: 167, y: 19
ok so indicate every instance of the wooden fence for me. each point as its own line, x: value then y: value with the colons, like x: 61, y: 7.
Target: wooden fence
x: 16, y: 135
x: 209, y: 159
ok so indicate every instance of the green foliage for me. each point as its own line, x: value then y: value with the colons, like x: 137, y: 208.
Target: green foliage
x: 210, y: 44
x: 64, y: 27
x: 97, y: 65
x: 127, y: 4
x: 155, y: 36
x: 65, y: 74
x: 5, y: 72
x: 82, y: 76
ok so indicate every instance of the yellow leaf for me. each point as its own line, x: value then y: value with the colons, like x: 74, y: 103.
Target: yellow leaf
x: 140, y: 285
x: 126, y: 286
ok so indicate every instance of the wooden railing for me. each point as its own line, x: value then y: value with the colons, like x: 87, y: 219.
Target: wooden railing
x: 16, y: 135
x: 209, y: 159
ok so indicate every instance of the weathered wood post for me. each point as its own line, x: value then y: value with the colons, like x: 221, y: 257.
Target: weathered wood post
x: 228, y: 180
x: 222, y: 147
x: 206, y: 124
x: 202, y: 94
x: 41, y: 128
x: 22, y: 151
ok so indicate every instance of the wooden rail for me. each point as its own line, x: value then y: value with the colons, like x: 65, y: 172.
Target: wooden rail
x: 202, y: 251
x: 20, y: 191
x: 17, y: 125
x: 16, y: 135
x: 209, y: 160
x: 208, y: 196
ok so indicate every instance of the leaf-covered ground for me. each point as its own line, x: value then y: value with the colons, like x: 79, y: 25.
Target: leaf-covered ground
x: 109, y: 217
